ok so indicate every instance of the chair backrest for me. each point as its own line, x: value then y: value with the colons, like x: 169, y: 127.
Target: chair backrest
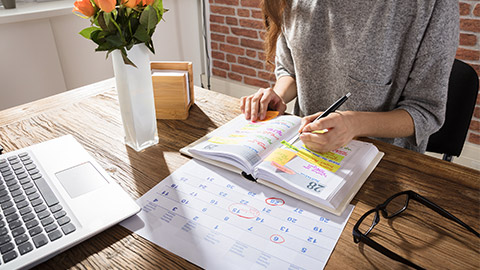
x: 462, y: 96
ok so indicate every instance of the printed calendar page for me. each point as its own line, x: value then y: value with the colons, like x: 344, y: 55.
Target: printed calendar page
x: 217, y: 219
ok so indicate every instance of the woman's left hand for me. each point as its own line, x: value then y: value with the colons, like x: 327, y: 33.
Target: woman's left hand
x: 316, y: 137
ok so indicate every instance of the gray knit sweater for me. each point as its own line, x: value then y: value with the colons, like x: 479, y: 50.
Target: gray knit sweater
x: 389, y: 54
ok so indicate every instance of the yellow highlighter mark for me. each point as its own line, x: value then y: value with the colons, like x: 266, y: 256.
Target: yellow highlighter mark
x: 318, y: 161
x: 329, y: 160
x: 223, y: 140
x: 281, y: 156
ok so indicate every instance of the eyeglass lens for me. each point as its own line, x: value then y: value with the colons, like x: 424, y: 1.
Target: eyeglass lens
x: 396, y: 205
x: 368, y: 223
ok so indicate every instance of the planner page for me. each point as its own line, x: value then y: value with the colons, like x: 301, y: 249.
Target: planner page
x: 219, y: 220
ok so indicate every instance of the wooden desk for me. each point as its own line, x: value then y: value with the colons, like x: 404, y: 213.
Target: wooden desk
x: 91, y: 114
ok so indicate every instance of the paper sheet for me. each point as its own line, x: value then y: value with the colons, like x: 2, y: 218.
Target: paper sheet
x: 219, y: 220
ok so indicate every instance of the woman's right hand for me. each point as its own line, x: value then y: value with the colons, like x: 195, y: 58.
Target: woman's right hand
x: 255, y: 106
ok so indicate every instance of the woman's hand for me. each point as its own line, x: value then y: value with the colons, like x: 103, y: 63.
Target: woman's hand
x: 316, y: 137
x: 255, y: 106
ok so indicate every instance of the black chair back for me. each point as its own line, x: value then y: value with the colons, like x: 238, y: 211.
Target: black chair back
x: 462, y: 96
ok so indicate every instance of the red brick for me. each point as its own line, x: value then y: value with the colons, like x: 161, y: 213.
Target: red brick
x: 218, y: 55
x: 466, y: 54
x: 232, y: 21
x: 475, y: 126
x: 219, y: 28
x: 474, y: 138
x: 233, y: 40
x: 476, y: 112
x: 250, y: 3
x: 468, y: 39
x: 244, y: 70
x: 269, y: 76
x: 262, y: 56
x: 217, y: 19
x: 262, y: 34
x: 244, y: 32
x: 251, y: 53
x: 222, y: 10
x: 476, y: 11
x: 464, y: 9
x: 477, y: 69
x: 217, y: 37
x: 214, y: 45
x: 254, y: 44
x: 227, y: 2
x: 243, y: 12
x: 250, y: 62
x: 220, y: 64
x: 257, y: 14
x: 231, y: 58
x: 219, y: 72
x: 232, y: 49
x: 256, y: 82
x: 255, y: 24
x: 472, y: 25
x: 235, y: 76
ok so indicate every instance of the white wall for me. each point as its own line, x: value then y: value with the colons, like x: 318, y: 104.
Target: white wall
x: 45, y: 56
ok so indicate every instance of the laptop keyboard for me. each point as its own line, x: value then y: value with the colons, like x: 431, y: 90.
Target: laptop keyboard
x: 31, y: 216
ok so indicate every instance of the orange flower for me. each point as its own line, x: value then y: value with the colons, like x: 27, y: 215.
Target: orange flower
x: 147, y: 2
x: 130, y: 3
x: 84, y: 7
x: 106, y: 5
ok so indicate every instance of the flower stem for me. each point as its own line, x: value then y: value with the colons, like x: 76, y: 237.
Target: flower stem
x: 118, y: 28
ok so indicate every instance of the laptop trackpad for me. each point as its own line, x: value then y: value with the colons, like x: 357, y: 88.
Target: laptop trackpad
x: 81, y: 179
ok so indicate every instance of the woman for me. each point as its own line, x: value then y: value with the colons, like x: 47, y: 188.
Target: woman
x: 393, y: 56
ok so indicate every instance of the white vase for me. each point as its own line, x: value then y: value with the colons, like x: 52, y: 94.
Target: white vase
x: 135, y: 94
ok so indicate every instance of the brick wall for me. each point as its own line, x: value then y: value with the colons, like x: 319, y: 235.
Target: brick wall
x: 469, y: 52
x: 236, y: 28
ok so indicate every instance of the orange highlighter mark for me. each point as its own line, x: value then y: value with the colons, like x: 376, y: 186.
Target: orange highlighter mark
x: 270, y: 115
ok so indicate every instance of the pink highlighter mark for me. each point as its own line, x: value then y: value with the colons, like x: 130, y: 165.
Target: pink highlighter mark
x: 274, y: 201
x: 282, y: 168
x: 243, y: 210
x: 277, y: 239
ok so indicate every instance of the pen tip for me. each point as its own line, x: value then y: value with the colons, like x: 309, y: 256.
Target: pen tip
x: 348, y: 95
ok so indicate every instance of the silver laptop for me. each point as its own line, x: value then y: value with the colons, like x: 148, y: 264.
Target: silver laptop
x: 54, y: 195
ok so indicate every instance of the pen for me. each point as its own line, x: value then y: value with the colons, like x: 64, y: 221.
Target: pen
x: 330, y: 109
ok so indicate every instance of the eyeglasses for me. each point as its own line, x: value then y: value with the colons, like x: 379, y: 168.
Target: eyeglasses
x: 392, y: 207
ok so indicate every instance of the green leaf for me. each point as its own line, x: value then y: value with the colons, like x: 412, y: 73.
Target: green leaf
x: 115, y: 40
x: 158, y: 5
x: 98, y: 37
x: 107, y: 17
x: 141, y: 34
x: 87, y: 32
x: 103, y: 47
x: 149, y: 18
x: 125, y: 58
x: 101, y: 21
x: 150, y: 46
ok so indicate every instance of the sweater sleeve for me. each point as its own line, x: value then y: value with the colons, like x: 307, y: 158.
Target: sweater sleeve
x: 425, y: 94
x: 283, y: 59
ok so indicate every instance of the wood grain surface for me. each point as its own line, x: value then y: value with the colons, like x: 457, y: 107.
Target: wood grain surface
x: 91, y: 114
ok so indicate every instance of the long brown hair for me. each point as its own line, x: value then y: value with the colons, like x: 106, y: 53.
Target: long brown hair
x: 273, y: 14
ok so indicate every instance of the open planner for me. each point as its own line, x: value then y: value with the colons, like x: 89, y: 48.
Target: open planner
x: 261, y: 152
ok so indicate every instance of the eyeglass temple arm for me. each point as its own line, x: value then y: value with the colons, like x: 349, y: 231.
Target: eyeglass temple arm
x: 392, y: 255
x: 444, y: 213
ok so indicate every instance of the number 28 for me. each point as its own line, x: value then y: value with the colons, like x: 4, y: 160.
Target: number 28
x: 315, y: 187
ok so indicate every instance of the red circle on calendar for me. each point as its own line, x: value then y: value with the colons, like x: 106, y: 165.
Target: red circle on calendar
x: 274, y: 201
x: 277, y: 239
x: 243, y: 210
